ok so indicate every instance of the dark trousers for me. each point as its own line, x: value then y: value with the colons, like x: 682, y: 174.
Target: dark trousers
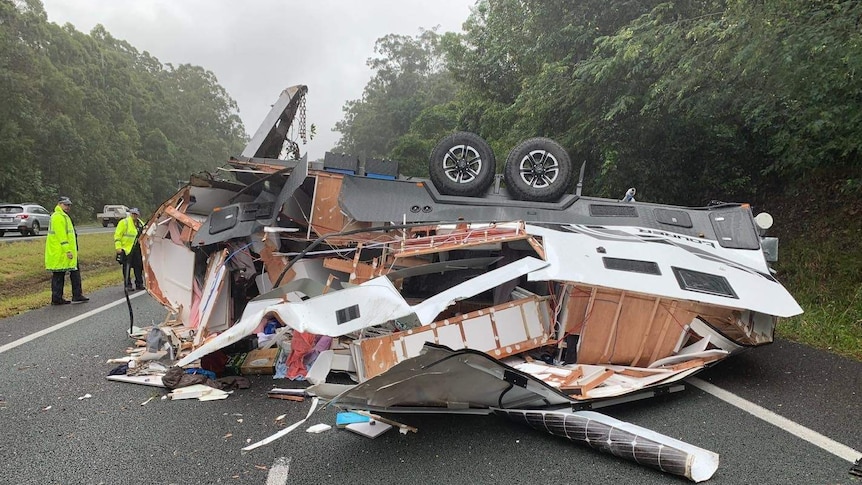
x: 58, y: 282
x: 135, y: 264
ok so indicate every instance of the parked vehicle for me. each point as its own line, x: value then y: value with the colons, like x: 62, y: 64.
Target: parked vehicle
x: 25, y: 218
x: 112, y: 214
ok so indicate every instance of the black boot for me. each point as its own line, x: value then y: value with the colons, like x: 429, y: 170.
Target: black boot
x: 77, y: 291
x: 58, y: 281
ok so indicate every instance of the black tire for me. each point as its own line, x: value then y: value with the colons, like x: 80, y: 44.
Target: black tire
x: 462, y: 164
x: 2, y: 233
x: 538, y: 169
x: 34, y: 231
x: 104, y: 223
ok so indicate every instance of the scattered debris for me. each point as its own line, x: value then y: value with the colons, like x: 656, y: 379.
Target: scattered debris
x: 199, y: 392
x: 371, y: 429
x: 284, y: 431
x: 344, y: 418
x: 297, y: 395
x: 147, y: 401
x: 85, y: 396
x: 856, y: 469
x: 451, y: 294
x: 318, y: 428
x: 280, y: 471
x: 403, y: 428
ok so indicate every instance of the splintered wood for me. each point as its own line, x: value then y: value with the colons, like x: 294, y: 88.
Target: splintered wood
x: 624, y: 328
x: 461, y: 237
x: 499, y: 331
x: 359, y: 272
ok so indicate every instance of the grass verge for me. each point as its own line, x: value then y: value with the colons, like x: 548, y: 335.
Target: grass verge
x: 826, y: 280
x: 26, y: 285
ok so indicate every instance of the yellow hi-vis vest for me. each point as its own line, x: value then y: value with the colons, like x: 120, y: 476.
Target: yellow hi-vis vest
x: 125, y: 234
x: 60, y: 240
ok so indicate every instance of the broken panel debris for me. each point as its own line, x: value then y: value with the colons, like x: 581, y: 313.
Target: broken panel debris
x: 456, y: 303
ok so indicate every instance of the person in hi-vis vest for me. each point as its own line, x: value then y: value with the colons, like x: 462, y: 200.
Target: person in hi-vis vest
x: 129, y: 250
x: 61, y: 254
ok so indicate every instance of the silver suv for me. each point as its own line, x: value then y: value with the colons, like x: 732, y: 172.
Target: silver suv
x: 24, y: 218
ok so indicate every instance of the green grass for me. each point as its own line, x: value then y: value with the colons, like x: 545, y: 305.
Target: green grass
x: 826, y: 279
x: 26, y: 285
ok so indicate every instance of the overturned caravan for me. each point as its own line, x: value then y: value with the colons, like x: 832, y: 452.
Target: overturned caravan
x: 452, y: 303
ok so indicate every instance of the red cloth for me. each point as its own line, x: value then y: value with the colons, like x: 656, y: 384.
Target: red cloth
x: 301, y: 344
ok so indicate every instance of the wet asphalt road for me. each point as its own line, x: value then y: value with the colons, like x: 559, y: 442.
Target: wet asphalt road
x: 51, y: 436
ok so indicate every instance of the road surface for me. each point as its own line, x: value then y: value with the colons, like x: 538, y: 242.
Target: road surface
x: 55, y: 434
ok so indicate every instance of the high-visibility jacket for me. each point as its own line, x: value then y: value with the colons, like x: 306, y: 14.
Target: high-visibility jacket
x: 126, y: 234
x: 60, y: 241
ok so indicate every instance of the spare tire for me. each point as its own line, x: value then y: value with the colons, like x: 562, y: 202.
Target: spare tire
x: 462, y: 164
x: 538, y: 169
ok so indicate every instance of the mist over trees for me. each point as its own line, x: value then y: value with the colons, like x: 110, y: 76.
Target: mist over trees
x: 688, y: 101
x: 90, y: 117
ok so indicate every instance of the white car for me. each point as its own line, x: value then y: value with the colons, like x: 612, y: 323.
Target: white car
x: 24, y: 218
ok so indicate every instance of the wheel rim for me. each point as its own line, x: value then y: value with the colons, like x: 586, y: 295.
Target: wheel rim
x: 462, y: 164
x: 36, y: 228
x: 539, y: 169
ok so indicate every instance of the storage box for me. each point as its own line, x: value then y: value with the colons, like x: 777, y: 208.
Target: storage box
x: 381, y: 169
x: 234, y: 363
x: 261, y: 361
x: 340, y: 163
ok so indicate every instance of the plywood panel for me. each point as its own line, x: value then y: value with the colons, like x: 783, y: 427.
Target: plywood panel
x: 577, y: 302
x: 476, y: 330
x: 596, y: 332
x: 326, y: 216
x: 636, y: 315
x: 629, y: 328
x: 645, y: 335
x: 378, y: 355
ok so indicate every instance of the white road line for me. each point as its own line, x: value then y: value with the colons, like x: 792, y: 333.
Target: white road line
x: 796, y: 429
x: 34, y: 336
x: 278, y: 472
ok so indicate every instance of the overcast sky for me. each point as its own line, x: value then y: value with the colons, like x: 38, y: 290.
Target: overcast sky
x: 256, y: 48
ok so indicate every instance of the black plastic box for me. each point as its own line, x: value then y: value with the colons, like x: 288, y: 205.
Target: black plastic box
x: 376, y: 168
x: 341, y: 163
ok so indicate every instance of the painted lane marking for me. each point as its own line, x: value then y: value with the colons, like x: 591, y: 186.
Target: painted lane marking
x: 278, y: 472
x: 796, y: 429
x: 40, y: 333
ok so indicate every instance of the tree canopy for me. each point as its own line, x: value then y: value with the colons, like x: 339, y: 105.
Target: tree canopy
x: 90, y: 117
x: 687, y: 100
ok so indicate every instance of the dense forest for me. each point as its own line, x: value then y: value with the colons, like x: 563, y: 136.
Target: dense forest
x: 90, y: 117
x: 688, y: 101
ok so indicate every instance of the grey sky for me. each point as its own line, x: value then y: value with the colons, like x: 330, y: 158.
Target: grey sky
x: 257, y: 48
